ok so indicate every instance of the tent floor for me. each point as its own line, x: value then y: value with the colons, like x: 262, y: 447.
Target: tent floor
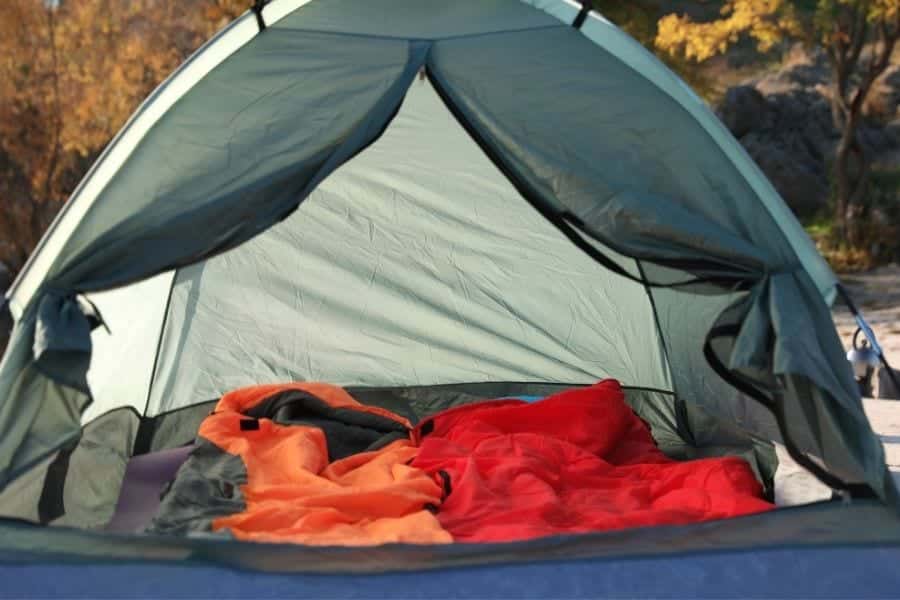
x: 816, y: 526
x: 813, y: 572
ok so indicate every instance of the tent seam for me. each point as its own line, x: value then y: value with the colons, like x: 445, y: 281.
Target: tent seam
x: 417, y: 39
x: 365, y: 388
x: 662, y: 339
x: 162, y: 330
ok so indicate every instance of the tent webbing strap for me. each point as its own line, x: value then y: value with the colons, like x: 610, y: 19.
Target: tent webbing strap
x: 50, y: 504
x: 159, y: 341
x: 582, y: 14
x: 856, y: 490
x: 257, y: 9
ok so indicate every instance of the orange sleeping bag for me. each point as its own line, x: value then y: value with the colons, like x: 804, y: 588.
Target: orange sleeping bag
x: 317, y: 468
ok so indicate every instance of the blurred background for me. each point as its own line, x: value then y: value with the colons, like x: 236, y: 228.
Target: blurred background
x: 811, y: 88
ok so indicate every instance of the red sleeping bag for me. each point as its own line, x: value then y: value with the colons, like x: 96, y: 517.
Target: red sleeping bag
x: 575, y: 462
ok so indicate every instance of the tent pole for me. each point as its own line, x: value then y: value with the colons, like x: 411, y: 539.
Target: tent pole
x: 867, y: 331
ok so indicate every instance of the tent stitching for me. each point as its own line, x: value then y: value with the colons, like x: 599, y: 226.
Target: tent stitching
x: 373, y: 36
x: 159, y: 340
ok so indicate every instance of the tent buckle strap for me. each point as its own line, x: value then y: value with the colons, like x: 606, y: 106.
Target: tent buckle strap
x: 93, y: 314
x: 257, y: 9
x: 582, y: 14
x: 84, y: 304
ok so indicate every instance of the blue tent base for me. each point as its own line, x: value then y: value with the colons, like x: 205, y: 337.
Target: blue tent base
x: 859, y: 524
x: 830, y: 549
x: 857, y: 572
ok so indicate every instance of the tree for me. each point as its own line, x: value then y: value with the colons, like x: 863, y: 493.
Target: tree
x: 71, y: 72
x: 859, y: 37
x: 26, y: 128
x: 641, y: 18
x: 845, y: 29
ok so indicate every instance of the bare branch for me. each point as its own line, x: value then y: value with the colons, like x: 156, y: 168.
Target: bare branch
x: 880, y: 61
x: 57, y: 120
x: 860, y: 34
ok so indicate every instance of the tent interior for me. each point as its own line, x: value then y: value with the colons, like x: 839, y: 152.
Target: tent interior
x: 379, y: 282
x: 419, y: 277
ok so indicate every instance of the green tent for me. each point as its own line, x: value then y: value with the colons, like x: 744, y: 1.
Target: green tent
x: 427, y: 202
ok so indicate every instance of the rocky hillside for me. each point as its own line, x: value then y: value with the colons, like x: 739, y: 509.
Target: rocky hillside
x: 783, y: 119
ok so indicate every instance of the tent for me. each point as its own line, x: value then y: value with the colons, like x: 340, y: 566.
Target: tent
x: 426, y: 202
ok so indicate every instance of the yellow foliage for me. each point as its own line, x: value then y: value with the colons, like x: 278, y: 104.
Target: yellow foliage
x: 71, y: 72
x: 766, y: 21
x: 71, y: 75
x: 887, y: 10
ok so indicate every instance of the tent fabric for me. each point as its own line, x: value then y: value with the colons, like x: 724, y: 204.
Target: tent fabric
x: 83, y: 492
x: 630, y: 52
x: 210, y: 155
x: 417, y: 19
x: 122, y: 351
x: 594, y: 145
x: 829, y: 524
x: 768, y: 572
x: 119, y: 149
x: 390, y: 285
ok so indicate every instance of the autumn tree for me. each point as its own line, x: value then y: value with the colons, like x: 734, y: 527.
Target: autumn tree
x: 859, y: 37
x: 71, y: 72
x: 219, y: 13
x: 28, y: 129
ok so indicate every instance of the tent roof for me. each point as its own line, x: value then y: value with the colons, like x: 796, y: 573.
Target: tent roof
x: 413, y: 19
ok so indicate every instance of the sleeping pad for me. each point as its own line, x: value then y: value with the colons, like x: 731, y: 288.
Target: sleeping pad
x: 306, y: 463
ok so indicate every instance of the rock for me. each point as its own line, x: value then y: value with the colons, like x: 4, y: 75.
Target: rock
x: 797, y: 177
x: 883, y: 102
x: 790, y: 135
x: 784, y: 121
x: 744, y: 109
x: 802, y: 70
x: 879, y: 140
